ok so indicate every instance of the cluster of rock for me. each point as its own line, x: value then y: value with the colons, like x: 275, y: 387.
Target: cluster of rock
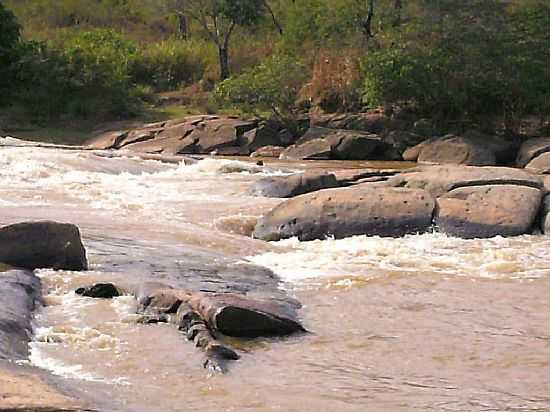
x: 203, y: 316
x: 462, y: 201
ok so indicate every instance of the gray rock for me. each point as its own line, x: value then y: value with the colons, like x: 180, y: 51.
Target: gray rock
x: 359, y: 210
x: 33, y: 245
x: 488, y: 211
x: 20, y: 294
x: 293, y: 185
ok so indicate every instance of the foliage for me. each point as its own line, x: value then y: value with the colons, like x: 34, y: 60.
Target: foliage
x: 9, y: 38
x: 82, y: 75
x: 272, y: 85
x: 171, y: 64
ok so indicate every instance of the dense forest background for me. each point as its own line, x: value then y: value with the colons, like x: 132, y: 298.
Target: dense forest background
x: 107, y: 59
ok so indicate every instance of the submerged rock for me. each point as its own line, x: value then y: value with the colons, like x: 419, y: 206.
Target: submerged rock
x: 33, y: 245
x: 293, y: 185
x: 488, y: 211
x: 359, y: 210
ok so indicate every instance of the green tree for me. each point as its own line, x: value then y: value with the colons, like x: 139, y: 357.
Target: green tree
x: 9, y: 39
x: 220, y: 18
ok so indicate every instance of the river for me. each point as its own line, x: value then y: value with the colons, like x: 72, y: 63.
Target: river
x: 424, y: 322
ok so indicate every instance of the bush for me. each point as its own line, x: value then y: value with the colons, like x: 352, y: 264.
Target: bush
x: 9, y: 39
x: 273, y: 85
x: 171, y: 64
x: 81, y: 75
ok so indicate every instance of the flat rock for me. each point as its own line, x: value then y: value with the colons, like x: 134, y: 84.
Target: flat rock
x: 33, y: 245
x: 359, y: 210
x: 293, y: 185
x: 20, y: 293
x: 540, y: 164
x: 453, y: 149
x: 488, y: 211
x: 268, y: 151
x: 439, y: 180
x: 532, y: 148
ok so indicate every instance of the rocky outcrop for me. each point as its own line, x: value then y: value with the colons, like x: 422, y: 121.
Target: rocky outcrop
x: 339, y: 213
x: 488, y: 211
x: 532, y: 148
x: 293, y: 185
x: 20, y: 293
x: 323, y: 143
x: 439, y: 180
x: 33, y: 245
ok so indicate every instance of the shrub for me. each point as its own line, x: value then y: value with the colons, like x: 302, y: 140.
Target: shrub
x: 171, y: 64
x: 81, y: 75
x: 273, y: 85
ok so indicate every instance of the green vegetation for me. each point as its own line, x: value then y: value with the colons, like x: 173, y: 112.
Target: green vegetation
x: 108, y: 59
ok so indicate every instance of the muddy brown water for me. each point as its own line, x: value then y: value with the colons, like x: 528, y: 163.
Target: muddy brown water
x: 424, y: 322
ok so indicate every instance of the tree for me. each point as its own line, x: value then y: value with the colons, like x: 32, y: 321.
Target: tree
x: 9, y: 39
x: 220, y: 18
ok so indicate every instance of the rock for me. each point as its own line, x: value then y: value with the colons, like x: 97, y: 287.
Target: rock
x: 531, y: 149
x: 293, y: 185
x: 322, y: 143
x: 401, y: 140
x: 20, y: 294
x: 108, y: 140
x: 33, y: 245
x: 268, y: 151
x: 540, y: 164
x: 411, y: 154
x: 266, y: 134
x: 348, y: 177
x: 487, y: 211
x: 453, y: 149
x: 504, y: 147
x: 439, y: 180
x: 100, y: 290
x: 359, y: 210
x: 220, y: 133
x: 424, y: 128
x: 236, y: 315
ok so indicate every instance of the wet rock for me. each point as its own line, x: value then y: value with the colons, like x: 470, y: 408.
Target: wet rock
x: 488, y: 211
x: 293, y: 185
x: 100, y: 290
x: 20, y: 294
x: 453, y: 149
x: 268, y: 151
x: 540, y: 164
x: 359, y: 210
x: 236, y: 315
x: 33, y: 245
x: 439, y: 180
x: 532, y: 148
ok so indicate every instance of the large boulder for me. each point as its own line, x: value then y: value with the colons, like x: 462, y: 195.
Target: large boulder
x: 33, y: 245
x: 220, y: 133
x: 488, y: 211
x: 20, y: 293
x: 540, y: 164
x: 266, y: 134
x: 453, y: 149
x: 293, y: 185
x: 323, y: 143
x: 360, y: 210
x: 531, y: 149
x: 439, y: 180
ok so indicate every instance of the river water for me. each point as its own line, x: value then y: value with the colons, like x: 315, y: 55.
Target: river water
x: 425, y: 322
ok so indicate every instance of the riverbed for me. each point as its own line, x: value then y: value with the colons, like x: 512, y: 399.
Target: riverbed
x: 424, y: 322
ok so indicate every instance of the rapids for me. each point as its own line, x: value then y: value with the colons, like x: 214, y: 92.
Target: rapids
x: 425, y: 322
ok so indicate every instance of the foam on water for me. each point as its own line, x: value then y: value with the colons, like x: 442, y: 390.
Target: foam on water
x: 431, y: 253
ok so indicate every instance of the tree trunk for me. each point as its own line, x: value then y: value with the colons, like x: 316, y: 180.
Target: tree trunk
x: 224, y: 62
x: 183, y: 27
